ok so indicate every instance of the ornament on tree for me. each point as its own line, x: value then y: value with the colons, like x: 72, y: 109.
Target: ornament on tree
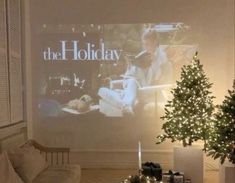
x: 188, y: 115
x: 221, y: 142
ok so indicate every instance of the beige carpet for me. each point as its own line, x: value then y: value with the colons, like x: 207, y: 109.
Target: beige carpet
x: 116, y: 176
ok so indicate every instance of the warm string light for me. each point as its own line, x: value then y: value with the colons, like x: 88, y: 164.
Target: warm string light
x: 221, y: 140
x: 188, y: 115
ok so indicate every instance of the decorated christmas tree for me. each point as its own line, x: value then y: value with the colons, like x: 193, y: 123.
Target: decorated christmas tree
x: 188, y: 115
x: 221, y: 143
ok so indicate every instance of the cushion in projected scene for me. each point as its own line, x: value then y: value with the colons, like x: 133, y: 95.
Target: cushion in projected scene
x: 7, y: 172
x: 111, y: 96
x: 27, y: 162
x: 109, y: 110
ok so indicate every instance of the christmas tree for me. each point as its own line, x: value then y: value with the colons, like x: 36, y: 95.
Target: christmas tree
x: 188, y: 115
x: 221, y: 143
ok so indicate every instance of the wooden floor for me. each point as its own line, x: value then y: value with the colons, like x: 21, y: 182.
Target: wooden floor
x: 116, y: 176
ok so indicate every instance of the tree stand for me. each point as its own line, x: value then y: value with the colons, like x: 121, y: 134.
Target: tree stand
x: 189, y: 160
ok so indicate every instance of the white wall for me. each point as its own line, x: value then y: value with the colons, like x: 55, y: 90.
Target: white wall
x: 99, y: 143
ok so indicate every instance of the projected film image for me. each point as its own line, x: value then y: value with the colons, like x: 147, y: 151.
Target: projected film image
x: 113, y: 70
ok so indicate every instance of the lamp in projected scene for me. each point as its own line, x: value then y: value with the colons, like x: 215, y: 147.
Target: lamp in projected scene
x: 84, y: 34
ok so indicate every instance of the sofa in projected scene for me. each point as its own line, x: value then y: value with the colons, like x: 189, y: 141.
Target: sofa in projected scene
x: 34, y: 163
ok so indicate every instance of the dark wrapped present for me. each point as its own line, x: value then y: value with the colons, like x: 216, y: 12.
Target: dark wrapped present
x: 152, y: 170
x: 173, y: 177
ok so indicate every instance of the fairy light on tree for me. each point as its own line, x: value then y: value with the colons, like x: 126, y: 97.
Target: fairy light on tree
x: 188, y: 115
x: 221, y: 143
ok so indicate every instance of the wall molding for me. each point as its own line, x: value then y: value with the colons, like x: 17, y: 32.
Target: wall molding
x: 13, y: 136
x: 121, y: 151
x: 127, y: 158
x: 119, y: 159
x: 12, y: 129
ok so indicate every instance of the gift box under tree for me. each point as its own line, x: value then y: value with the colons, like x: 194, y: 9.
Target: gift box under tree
x: 173, y: 177
x: 152, y: 170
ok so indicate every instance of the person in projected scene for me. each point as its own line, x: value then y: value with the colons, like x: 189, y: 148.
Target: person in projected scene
x: 154, y: 69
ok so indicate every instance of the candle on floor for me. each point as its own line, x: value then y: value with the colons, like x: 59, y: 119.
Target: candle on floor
x: 139, y: 156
